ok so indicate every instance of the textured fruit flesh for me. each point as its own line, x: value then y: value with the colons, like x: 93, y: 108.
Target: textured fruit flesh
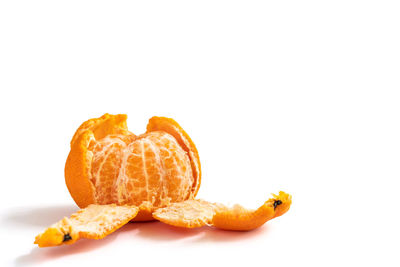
x: 150, y: 168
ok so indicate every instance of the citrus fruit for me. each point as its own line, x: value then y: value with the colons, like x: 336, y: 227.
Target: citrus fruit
x: 116, y: 176
x: 108, y: 164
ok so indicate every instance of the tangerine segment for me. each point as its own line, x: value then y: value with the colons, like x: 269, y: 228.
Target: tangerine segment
x: 170, y: 126
x: 107, y: 157
x: 189, y: 213
x: 78, y: 166
x: 196, y: 213
x: 241, y: 219
x: 154, y: 168
x: 93, y: 222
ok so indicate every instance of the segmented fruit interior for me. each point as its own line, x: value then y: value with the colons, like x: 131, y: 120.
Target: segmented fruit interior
x: 129, y: 170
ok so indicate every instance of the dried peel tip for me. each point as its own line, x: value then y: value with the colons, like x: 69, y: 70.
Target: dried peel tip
x: 285, y: 201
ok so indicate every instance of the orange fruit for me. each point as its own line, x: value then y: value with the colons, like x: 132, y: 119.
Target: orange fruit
x: 108, y: 164
x: 116, y: 176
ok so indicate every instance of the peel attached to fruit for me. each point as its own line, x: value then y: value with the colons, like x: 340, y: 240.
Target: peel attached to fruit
x: 108, y: 164
x: 116, y: 176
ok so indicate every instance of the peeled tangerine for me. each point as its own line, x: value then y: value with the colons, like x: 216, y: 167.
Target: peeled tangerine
x: 115, y: 177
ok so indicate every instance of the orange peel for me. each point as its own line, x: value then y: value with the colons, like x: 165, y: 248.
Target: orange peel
x: 242, y: 219
x: 93, y: 222
x: 197, y: 213
x: 190, y: 213
x: 116, y: 176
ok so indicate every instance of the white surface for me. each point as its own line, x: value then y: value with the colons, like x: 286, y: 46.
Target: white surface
x: 301, y: 96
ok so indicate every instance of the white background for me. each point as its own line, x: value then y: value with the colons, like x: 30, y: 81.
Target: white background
x: 300, y: 96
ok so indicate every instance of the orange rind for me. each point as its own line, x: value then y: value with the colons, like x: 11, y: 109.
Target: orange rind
x: 93, y: 222
x: 197, y: 213
x: 242, y: 219
x: 190, y: 213
x: 115, y: 176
